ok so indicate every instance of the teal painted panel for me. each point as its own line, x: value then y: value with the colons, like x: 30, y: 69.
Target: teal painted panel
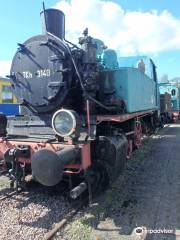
x: 136, y: 88
x: 109, y: 59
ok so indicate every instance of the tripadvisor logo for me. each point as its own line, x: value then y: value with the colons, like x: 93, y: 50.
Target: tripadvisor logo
x: 140, y: 230
x: 143, y: 230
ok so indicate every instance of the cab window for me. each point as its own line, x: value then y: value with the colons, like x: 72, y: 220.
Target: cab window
x: 173, y: 92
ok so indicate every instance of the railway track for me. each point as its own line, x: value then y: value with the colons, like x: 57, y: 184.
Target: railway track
x: 8, y: 195
x: 60, y: 225
x: 67, y: 218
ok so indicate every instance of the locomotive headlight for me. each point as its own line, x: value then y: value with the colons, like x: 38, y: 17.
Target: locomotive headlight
x: 65, y: 123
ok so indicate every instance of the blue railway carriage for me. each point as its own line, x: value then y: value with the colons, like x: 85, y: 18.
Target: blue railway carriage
x: 8, y: 102
x: 175, y: 97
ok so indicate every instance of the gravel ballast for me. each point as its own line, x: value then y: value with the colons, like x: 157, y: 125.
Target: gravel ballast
x: 29, y: 215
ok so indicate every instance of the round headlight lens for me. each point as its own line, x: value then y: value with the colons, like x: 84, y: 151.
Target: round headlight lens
x: 64, y: 122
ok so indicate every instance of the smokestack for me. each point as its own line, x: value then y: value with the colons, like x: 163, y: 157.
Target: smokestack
x: 53, y: 21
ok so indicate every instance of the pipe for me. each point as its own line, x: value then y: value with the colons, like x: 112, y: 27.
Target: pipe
x: 88, y: 116
x: 78, y: 190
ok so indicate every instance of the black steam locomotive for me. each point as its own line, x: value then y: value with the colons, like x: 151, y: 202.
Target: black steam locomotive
x: 72, y: 124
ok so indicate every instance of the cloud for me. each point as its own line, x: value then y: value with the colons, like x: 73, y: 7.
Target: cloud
x: 130, y: 32
x: 4, y: 68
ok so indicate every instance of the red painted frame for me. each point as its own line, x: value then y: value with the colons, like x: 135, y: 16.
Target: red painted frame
x: 123, y: 117
x: 5, y: 145
x: 175, y: 116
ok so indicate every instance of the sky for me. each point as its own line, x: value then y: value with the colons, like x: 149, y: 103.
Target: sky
x: 141, y: 27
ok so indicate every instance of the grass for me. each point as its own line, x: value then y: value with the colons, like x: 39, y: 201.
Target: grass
x: 80, y: 230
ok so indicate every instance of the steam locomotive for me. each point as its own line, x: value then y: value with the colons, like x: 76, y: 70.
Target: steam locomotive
x: 83, y: 109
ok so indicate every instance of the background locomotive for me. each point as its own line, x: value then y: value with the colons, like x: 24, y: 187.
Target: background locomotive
x: 173, y: 91
x: 8, y: 102
x: 83, y: 109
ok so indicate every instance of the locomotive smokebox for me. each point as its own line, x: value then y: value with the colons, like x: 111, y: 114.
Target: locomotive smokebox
x: 47, y: 166
x: 53, y: 21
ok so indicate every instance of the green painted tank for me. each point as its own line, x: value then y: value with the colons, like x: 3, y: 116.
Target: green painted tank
x: 135, y: 83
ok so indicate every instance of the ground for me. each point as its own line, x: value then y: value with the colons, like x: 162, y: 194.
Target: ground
x: 144, y: 203
x: 4, y: 182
